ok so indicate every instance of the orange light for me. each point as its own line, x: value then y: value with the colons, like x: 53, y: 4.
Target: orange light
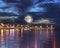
x: 47, y: 31
x: 35, y: 44
x: 35, y: 39
x: 54, y: 44
x: 51, y: 30
x: 2, y: 32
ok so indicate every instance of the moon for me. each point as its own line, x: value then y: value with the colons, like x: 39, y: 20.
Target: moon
x: 28, y: 19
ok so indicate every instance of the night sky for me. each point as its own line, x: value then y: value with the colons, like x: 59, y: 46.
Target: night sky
x: 36, y: 8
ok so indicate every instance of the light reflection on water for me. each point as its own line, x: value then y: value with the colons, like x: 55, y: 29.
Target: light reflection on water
x: 27, y: 39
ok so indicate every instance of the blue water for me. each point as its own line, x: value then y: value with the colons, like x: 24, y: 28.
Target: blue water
x: 28, y: 39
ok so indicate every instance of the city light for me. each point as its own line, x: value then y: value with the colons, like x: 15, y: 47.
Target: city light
x: 14, y: 31
x: 29, y: 23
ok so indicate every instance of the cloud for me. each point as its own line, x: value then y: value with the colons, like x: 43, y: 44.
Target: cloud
x: 13, y: 10
x: 37, y: 9
x: 4, y: 7
x: 2, y: 3
x: 43, y: 21
x: 23, y: 6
